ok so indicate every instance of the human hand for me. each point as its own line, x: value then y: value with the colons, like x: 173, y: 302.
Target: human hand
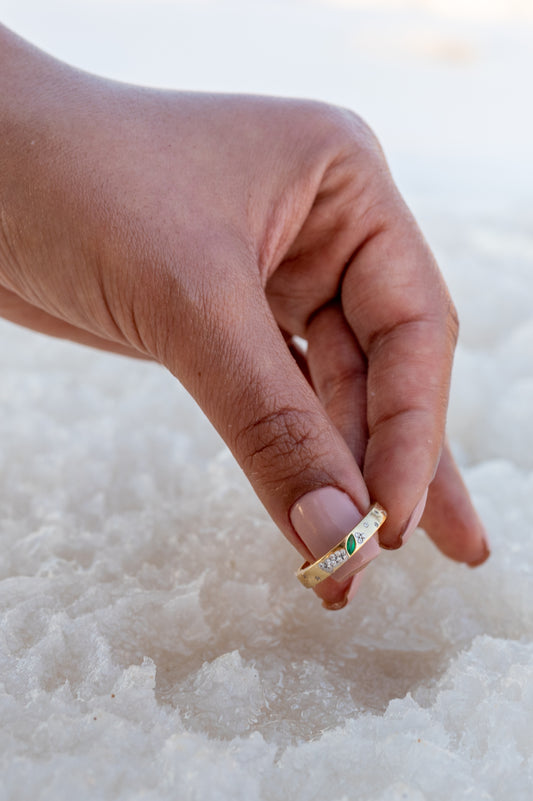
x: 205, y: 231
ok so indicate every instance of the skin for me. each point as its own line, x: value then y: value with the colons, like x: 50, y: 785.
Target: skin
x: 204, y: 232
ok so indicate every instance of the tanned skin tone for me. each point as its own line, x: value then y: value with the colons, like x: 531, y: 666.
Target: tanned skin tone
x: 204, y: 231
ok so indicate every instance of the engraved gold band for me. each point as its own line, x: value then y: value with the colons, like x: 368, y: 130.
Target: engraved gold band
x: 312, y: 574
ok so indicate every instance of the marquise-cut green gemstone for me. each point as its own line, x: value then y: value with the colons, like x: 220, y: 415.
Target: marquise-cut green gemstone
x: 350, y: 544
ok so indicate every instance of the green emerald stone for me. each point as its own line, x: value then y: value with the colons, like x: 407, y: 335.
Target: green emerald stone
x: 350, y: 544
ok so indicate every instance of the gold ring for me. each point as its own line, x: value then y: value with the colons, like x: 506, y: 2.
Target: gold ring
x: 312, y: 574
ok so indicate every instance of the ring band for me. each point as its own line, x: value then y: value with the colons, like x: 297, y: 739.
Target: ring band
x: 312, y: 574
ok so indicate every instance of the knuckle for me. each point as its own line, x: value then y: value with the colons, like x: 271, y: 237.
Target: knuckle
x: 348, y: 135
x: 359, y: 137
x: 337, y: 384
x: 278, y: 445
x: 452, y: 323
x: 446, y: 316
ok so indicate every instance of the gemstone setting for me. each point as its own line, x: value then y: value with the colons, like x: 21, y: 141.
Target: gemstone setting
x: 312, y: 574
x: 333, y: 561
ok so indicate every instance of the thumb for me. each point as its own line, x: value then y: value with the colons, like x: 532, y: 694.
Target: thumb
x: 294, y: 457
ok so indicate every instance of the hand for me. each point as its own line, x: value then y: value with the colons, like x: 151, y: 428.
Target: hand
x: 205, y: 231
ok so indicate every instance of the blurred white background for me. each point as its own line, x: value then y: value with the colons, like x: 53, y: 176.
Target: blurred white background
x: 446, y: 85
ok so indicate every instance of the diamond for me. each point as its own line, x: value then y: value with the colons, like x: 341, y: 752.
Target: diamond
x: 360, y: 537
x: 333, y: 561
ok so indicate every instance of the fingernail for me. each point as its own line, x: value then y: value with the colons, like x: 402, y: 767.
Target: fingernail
x: 322, y: 518
x: 350, y: 593
x: 410, y: 526
x: 414, y: 520
x: 354, y: 587
x: 337, y: 605
x: 484, y: 555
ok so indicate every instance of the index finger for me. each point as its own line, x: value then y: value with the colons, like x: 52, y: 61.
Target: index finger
x: 396, y: 302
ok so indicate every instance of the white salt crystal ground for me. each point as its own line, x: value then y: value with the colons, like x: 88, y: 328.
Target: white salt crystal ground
x: 146, y: 649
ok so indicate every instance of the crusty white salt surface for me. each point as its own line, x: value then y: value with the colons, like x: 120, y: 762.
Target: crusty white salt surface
x: 154, y: 641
